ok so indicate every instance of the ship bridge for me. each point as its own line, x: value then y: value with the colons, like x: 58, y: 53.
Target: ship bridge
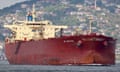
x: 33, y: 30
x: 28, y: 30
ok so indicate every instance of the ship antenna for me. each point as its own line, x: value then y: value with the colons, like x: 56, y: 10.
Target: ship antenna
x: 90, y: 26
x: 95, y: 5
x: 33, y: 12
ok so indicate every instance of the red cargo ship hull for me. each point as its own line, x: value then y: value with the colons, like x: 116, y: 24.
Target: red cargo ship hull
x: 71, y: 50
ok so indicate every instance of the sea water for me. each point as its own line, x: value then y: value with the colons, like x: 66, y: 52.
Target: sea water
x: 6, y: 67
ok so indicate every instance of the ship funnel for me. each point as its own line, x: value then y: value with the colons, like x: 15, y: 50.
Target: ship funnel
x: 29, y: 17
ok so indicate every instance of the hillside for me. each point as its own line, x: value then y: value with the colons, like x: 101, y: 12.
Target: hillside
x: 17, y: 6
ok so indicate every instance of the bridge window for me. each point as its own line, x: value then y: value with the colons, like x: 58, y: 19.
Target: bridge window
x: 33, y: 30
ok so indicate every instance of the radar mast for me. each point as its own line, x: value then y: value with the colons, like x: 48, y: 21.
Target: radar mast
x: 33, y: 12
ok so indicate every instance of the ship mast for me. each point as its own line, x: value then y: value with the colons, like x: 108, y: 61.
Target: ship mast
x: 33, y: 12
x: 90, y: 27
x: 95, y: 5
x: 90, y: 23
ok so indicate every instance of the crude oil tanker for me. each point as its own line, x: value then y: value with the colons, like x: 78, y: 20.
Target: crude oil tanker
x: 35, y: 43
